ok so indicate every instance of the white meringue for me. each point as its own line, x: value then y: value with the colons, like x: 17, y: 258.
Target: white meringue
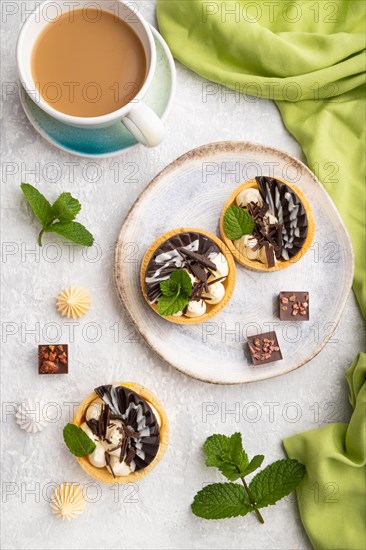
x: 222, y: 266
x: 73, y: 302
x: 119, y: 468
x: 244, y: 243
x: 195, y: 308
x: 68, y: 501
x: 245, y: 246
x: 29, y: 416
x: 249, y: 195
x: 114, y: 436
x: 94, y: 409
x: 97, y: 457
x: 216, y: 292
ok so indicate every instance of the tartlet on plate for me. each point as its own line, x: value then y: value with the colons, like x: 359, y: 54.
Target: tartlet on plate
x: 136, y: 426
x: 283, y: 224
x: 209, y: 272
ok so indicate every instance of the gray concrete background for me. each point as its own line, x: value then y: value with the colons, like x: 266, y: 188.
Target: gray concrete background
x: 105, y: 348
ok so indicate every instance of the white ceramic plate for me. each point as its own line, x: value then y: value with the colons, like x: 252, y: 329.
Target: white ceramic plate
x: 191, y: 192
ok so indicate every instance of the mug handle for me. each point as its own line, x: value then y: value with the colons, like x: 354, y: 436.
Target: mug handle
x: 144, y: 125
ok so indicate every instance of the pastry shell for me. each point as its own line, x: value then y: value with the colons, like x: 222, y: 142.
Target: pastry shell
x: 102, y: 474
x: 229, y: 282
x: 256, y: 265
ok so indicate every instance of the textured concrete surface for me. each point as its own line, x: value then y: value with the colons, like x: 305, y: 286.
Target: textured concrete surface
x: 104, y: 346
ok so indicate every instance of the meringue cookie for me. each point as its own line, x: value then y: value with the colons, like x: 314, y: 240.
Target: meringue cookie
x: 221, y: 264
x: 94, y: 410
x: 97, y: 457
x: 68, y: 501
x: 29, y: 416
x: 245, y: 246
x: 195, y: 308
x: 119, y: 468
x: 73, y: 302
x: 249, y: 195
x: 216, y: 292
x: 114, y: 436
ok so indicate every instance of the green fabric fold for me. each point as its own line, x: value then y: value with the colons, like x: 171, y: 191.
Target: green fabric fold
x: 308, y: 57
x: 332, y: 497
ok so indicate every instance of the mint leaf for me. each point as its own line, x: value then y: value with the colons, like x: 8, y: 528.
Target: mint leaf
x: 73, y: 231
x: 169, y: 288
x: 38, y: 202
x: 65, y: 208
x: 227, y: 454
x: 176, y: 292
x: 214, y: 446
x: 181, y: 277
x: 169, y: 305
x: 78, y: 443
x: 254, y: 464
x: 237, y: 222
x: 276, y: 481
x: 221, y: 500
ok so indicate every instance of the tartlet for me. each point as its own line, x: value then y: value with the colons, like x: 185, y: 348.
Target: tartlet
x: 194, y: 251
x: 148, y: 448
x: 294, y: 236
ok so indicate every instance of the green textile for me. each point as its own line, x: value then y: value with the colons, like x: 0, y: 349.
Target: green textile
x: 332, y: 497
x: 307, y: 56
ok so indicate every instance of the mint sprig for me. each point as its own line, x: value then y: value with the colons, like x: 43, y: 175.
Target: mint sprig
x: 58, y: 217
x: 228, y: 455
x: 237, y: 222
x: 225, y: 500
x: 176, y: 292
x: 78, y: 443
x: 220, y: 501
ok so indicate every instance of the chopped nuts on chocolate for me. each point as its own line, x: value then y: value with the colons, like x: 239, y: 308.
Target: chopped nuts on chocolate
x: 53, y: 359
x: 297, y: 308
x: 264, y: 348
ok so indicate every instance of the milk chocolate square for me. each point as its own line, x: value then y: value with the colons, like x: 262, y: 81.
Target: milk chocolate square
x: 53, y: 359
x: 264, y: 348
x: 294, y: 306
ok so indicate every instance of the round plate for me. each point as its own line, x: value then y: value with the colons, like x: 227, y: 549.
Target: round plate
x: 192, y: 192
x: 115, y: 139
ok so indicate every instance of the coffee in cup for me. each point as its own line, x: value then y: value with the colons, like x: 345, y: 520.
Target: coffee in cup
x: 88, y: 63
x: 91, y: 65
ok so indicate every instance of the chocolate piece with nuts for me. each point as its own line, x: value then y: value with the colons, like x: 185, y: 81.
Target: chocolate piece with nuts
x: 294, y: 306
x: 264, y: 348
x: 53, y: 359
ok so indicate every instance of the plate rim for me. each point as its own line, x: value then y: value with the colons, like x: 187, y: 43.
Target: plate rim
x: 75, y: 153
x: 201, y: 150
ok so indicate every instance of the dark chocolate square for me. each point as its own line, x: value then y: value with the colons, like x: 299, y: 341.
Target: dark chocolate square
x: 53, y: 359
x: 264, y: 348
x: 292, y: 306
